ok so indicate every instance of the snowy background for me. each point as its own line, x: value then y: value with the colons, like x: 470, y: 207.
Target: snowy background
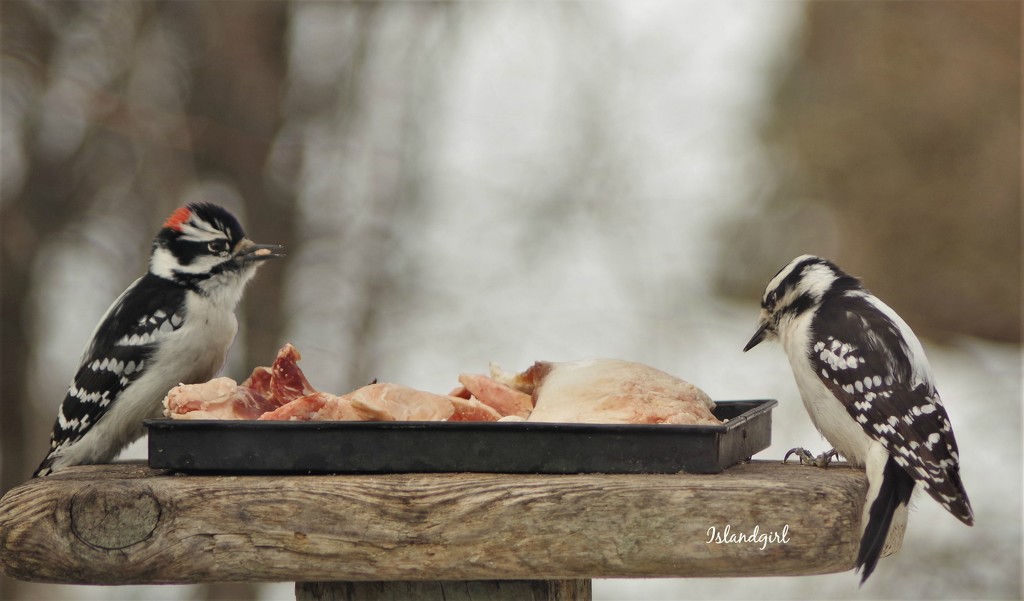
x: 492, y: 264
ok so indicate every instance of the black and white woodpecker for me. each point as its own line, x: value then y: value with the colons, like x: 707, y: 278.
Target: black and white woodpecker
x: 172, y: 325
x: 864, y: 380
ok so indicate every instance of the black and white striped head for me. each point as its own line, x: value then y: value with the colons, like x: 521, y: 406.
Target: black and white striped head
x: 797, y: 288
x: 202, y: 245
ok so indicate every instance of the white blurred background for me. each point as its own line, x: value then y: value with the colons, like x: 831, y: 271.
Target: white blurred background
x: 462, y: 183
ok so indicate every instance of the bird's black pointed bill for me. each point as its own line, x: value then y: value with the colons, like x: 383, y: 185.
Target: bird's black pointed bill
x: 758, y: 337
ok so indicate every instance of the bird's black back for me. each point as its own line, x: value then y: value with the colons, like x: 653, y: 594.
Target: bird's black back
x: 118, y: 355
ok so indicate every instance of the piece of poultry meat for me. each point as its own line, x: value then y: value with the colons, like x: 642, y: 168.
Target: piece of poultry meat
x: 610, y: 391
x: 604, y: 391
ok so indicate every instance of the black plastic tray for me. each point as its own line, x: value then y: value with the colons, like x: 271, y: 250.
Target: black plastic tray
x: 249, y: 447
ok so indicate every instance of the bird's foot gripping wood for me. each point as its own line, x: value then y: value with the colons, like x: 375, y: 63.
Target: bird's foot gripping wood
x: 806, y: 458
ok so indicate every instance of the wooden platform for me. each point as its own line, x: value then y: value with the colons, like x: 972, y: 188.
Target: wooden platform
x: 127, y: 524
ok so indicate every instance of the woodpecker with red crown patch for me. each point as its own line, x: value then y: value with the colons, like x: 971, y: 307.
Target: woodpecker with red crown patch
x: 173, y: 325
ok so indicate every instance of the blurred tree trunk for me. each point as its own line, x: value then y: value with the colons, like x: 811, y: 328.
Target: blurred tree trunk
x: 239, y: 83
x: 895, y: 135
x: 28, y: 219
x: 140, y: 149
x: 239, y: 86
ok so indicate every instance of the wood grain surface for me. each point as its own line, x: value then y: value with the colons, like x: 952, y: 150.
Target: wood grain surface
x: 474, y: 590
x: 125, y: 523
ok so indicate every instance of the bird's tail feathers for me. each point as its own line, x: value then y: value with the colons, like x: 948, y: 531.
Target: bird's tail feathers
x: 895, y: 490
x: 949, y: 492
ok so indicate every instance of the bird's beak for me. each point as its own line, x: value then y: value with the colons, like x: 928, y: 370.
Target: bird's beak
x: 248, y: 252
x: 763, y: 328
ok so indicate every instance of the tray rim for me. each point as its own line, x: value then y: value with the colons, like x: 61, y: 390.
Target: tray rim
x: 729, y: 444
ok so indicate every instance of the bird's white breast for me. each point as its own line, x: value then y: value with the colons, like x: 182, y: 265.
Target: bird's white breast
x: 199, y: 348
x: 829, y: 416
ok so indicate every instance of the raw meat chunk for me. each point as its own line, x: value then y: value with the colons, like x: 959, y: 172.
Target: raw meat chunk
x: 461, y: 393
x: 304, y: 408
x: 265, y: 390
x: 282, y: 392
x: 472, y: 410
x: 610, y: 391
x: 335, y: 408
x: 288, y: 382
x: 500, y: 397
x: 523, y: 382
x: 376, y: 402
x: 259, y: 380
x: 593, y: 391
x: 220, y: 398
x: 394, y: 402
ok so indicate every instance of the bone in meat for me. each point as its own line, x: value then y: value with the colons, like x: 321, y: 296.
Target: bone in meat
x: 288, y: 382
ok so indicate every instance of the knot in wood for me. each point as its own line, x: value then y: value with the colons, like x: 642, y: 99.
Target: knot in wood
x: 114, y: 515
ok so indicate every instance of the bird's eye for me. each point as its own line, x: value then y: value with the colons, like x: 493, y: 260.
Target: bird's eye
x: 218, y: 247
x: 771, y: 299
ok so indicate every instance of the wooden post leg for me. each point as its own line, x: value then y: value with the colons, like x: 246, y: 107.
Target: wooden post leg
x: 453, y: 590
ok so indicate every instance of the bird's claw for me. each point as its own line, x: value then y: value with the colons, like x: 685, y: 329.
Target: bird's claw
x: 801, y: 453
x: 806, y: 458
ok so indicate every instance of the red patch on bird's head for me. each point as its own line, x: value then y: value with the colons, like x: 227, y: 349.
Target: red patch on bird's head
x: 177, y: 218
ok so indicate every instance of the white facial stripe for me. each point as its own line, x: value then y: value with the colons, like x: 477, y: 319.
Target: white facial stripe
x: 788, y: 269
x: 162, y: 263
x: 201, y: 264
x: 197, y: 230
x: 815, y: 280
